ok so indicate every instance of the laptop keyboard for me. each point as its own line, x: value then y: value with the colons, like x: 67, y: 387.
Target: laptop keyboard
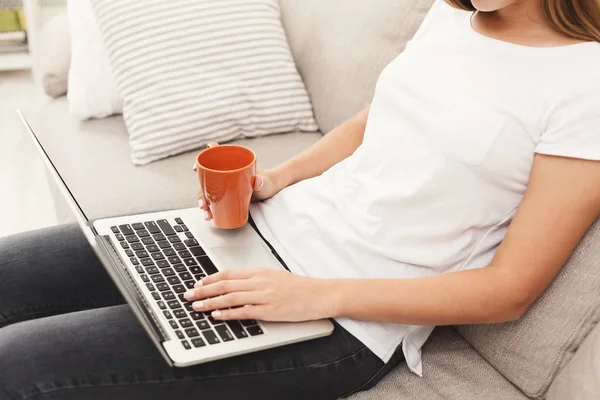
x: 170, y: 261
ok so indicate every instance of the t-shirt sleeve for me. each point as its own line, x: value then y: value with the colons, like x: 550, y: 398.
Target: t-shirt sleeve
x: 573, y: 126
x: 438, y: 12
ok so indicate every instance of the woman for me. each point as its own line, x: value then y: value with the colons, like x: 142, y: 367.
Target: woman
x: 488, y: 119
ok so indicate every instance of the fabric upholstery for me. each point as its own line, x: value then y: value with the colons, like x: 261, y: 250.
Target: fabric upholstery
x: 453, y: 370
x: 54, y: 55
x: 341, y: 46
x: 93, y: 157
x: 530, y: 351
x: 580, y: 379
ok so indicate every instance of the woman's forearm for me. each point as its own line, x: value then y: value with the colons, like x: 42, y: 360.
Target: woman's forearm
x: 475, y: 296
x: 336, y: 146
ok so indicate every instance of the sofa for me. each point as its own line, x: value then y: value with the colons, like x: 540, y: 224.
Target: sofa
x: 340, y: 47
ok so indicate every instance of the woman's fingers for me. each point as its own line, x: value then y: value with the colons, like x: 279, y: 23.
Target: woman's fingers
x: 218, y: 289
x: 229, y: 274
x: 204, y: 204
x: 237, y: 299
x: 259, y: 182
x: 249, y: 312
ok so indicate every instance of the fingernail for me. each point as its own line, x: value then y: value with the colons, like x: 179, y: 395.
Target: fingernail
x: 216, y: 314
x: 200, y: 203
x: 198, y: 305
x: 198, y: 284
x: 189, y: 294
x: 206, y: 216
x: 262, y: 182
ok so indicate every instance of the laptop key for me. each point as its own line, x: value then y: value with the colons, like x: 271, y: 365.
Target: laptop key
x: 207, y: 265
x: 152, y: 248
x: 129, y: 252
x: 173, y: 324
x: 145, y: 278
x: 152, y: 270
x: 188, y: 306
x: 180, y: 313
x: 162, y: 286
x: 168, y: 272
x: 137, y: 226
x: 186, y: 345
x: 132, y: 238
x: 163, y: 264
x: 198, y: 277
x: 167, y: 314
x: 214, y: 321
x: 134, y: 261
x: 166, y: 227
x: 169, y: 252
x: 157, y: 278
x: 147, y: 262
x: 126, y: 229
x: 124, y: 245
x: 174, y: 239
x: 196, y: 316
x: 163, y: 244
x: 173, y: 280
x: 152, y: 227
x: 179, y: 289
x: 168, y: 295
x: 156, y: 296
x: 173, y: 304
x: 179, y: 246
x: 197, y: 251
x: 185, y: 323
x: 254, y: 330
x: 195, y: 270
x: 178, y: 228
x: 224, y: 333
x: 179, y: 268
x: 192, y: 332
x: 119, y: 237
x: 114, y: 229
x: 158, y: 256
x: 191, y: 242
x: 186, y: 276
x: 143, y: 233
x: 184, y: 227
x: 141, y: 253
x: 210, y: 337
x: 248, y: 322
x: 189, y: 284
x: 159, y: 236
x: 139, y: 269
x: 198, y: 342
x: 148, y: 241
x: 179, y: 220
x: 137, y: 246
x: 150, y: 286
x: 184, y: 254
x: 189, y: 235
x: 203, y: 325
x: 161, y: 305
x: 174, y: 260
x: 180, y: 334
x: 237, y: 329
x: 190, y: 262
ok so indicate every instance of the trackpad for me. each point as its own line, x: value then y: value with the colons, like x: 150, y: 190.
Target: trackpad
x: 247, y: 255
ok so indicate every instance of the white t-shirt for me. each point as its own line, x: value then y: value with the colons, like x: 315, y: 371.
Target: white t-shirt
x: 445, y: 161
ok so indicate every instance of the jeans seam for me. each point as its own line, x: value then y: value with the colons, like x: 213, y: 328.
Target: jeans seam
x: 308, y: 367
x: 29, y: 310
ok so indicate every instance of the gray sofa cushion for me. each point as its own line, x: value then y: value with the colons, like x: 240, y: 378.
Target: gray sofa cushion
x: 341, y: 46
x: 531, y: 351
x: 580, y: 379
x: 453, y: 370
x: 93, y: 157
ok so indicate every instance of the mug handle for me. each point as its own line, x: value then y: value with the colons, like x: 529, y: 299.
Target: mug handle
x: 208, y: 146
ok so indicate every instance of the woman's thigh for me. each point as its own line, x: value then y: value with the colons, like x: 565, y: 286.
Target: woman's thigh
x: 105, y: 354
x: 51, y: 271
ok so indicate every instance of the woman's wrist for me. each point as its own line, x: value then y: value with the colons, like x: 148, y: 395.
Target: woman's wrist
x: 334, y: 296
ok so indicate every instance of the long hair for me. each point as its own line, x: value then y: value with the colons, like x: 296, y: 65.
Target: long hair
x: 578, y: 19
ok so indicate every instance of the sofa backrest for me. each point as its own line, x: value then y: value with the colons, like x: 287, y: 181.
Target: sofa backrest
x: 341, y: 46
x: 531, y: 351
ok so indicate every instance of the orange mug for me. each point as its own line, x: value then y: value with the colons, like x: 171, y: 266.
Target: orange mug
x: 226, y: 173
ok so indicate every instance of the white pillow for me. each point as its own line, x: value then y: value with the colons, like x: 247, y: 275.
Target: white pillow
x: 196, y: 71
x: 92, y: 91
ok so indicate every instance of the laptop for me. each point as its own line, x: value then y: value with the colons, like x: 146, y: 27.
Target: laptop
x: 154, y: 258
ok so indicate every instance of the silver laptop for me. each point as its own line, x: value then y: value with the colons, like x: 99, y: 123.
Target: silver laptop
x: 154, y: 258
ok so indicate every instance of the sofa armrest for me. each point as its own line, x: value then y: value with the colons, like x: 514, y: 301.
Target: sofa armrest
x: 580, y: 378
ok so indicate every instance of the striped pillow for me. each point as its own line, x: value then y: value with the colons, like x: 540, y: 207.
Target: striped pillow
x: 196, y: 71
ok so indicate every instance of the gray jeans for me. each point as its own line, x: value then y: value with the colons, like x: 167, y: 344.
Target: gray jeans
x: 65, y: 333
